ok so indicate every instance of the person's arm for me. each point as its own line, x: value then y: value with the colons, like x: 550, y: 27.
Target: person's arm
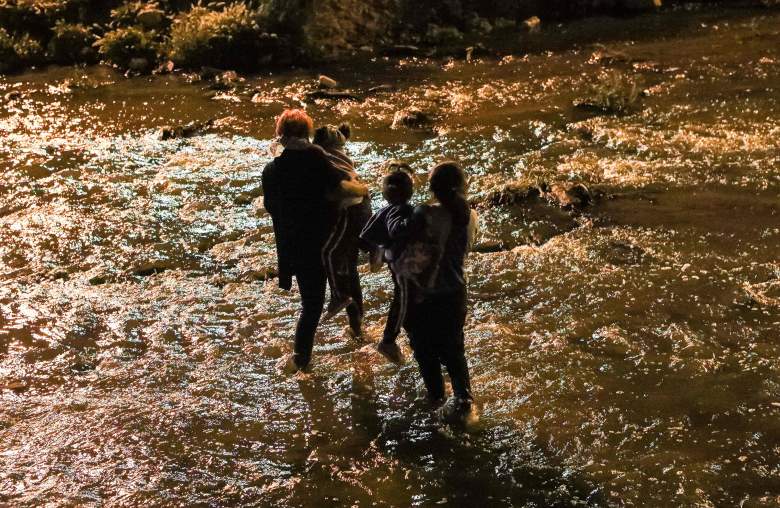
x: 339, y: 188
x: 351, y: 189
x: 402, y: 224
x: 374, y: 231
x: 473, y: 230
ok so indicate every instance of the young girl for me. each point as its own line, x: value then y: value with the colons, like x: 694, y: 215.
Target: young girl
x: 436, y: 317
x: 340, y: 253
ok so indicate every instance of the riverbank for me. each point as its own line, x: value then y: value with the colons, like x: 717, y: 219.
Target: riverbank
x: 160, y: 36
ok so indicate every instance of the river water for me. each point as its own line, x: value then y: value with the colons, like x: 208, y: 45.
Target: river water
x: 625, y: 355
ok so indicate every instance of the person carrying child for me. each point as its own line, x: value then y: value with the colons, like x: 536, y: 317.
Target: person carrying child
x: 341, y: 250
x: 299, y: 189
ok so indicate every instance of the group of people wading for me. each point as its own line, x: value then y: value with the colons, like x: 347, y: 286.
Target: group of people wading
x: 322, y: 220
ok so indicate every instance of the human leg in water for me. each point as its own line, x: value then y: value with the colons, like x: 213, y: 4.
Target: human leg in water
x: 435, y: 328
x: 335, y: 263
x: 355, y: 307
x: 311, y: 284
x: 396, y: 316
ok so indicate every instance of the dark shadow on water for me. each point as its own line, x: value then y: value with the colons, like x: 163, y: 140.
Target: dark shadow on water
x: 360, y: 453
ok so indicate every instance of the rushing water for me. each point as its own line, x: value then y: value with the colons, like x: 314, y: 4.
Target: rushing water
x: 626, y: 355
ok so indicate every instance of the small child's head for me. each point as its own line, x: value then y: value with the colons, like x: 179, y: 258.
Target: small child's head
x: 331, y: 137
x: 398, y: 187
x: 394, y: 165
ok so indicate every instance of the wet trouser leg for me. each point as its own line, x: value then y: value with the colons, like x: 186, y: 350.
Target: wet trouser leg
x: 398, y: 309
x: 435, y: 329
x: 333, y: 258
x: 311, y: 284
x: 354, y: 309
x: 430, y: 369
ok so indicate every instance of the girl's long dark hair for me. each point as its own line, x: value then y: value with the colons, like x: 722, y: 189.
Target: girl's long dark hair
x: 448, y: 185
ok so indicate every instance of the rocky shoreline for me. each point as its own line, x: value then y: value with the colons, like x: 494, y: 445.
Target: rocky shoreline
x: 142, y: 37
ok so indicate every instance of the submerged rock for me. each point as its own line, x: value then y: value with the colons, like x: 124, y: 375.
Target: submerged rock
x: 207, y: 72
x: 412, y: 118
x: 15, y: 386
x: 569, y: 196
x: 401, y: 50
x: 12, y: 96
x: 331, y: 95
x: 765, y: 293
x: 382, y: 89
x: 509, y: 194
x: 184, y: 131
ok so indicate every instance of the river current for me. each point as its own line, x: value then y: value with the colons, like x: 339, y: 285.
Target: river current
x: 625, y: 354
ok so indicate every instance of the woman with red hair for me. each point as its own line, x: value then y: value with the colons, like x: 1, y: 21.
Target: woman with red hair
x: 299, y: 186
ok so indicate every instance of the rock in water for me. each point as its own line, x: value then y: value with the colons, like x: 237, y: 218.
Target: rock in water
x: 331, y: 95
x: 412, y: 118
x: 509, y: 194
x: 381, y: 89
x: 570, y: 196
x: 327, y: 82
x: 401, y: 50
x: 209, y: 72
x: 184, y: 131
x: 12, y: 96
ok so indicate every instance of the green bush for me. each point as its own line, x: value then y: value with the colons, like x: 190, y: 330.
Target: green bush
x: 146, y: 14
x: 19, y: 51
x: 28, y: 49
x: 8, y: 59
x: 231, y: 37
x: 126, y: 14
x: 121, y: 46
x: 70, y: 43
x: 31, y: 15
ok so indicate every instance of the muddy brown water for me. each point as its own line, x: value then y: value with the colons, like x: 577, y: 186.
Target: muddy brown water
x: 623, y: 356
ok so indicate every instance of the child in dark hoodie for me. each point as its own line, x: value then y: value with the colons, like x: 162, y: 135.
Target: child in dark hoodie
x: 409, y: 257
x: 340, y: 253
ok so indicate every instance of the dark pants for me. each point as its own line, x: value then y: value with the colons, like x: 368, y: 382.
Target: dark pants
x: 435, y: 329
x: 398, y: 308
x: 340, y: 258
x: 311, y: 284
x: 354, y: 309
